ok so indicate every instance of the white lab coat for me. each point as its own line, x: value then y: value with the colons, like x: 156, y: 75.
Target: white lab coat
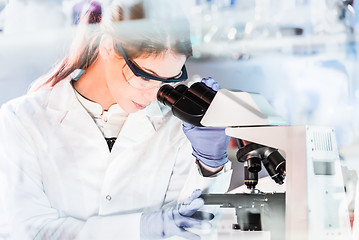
x: 59, y: 180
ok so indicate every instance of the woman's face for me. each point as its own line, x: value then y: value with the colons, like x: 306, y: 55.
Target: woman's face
x: 120, y: 79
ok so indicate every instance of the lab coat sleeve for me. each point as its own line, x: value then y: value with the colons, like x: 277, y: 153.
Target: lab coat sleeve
x: 187, y: 176
x: 28, y: 209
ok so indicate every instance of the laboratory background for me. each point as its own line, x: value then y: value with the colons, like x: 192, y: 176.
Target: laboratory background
x: 300, y: 55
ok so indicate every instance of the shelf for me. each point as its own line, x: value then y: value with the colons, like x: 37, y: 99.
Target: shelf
x: 288, y: 45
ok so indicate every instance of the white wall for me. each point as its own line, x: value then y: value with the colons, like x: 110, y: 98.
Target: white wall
x: 25, y: 57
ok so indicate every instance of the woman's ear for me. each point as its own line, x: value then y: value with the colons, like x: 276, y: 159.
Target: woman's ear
x: 106, y: 50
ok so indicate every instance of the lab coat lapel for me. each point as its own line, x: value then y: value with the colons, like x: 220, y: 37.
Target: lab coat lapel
x: 68, y: 112
x: 60, y: 102
x: 139, y: 126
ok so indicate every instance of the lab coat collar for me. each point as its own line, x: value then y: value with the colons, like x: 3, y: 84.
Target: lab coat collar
x: 67, y: 109
x: 63, y: 98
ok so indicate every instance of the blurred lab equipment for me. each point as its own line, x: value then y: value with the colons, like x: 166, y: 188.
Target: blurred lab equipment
x: 31, y: 16
x: 3, y: 3
x: 92, y: 7
x: 313, y: 205
x: 237, y: 28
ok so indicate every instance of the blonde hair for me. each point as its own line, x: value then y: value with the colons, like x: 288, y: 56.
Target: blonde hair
x: 127, y: 26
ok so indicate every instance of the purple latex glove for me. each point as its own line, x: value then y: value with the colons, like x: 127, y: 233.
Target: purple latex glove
x: 209, y: 143
x: 171, y: 221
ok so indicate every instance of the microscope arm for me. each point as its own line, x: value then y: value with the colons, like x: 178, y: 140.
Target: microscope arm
x: 240, y: 109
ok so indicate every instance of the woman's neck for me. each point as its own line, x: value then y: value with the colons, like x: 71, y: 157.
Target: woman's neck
x: 93, y: 86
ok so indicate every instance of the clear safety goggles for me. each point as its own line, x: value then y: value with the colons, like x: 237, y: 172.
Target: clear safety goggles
x: 143, y: 80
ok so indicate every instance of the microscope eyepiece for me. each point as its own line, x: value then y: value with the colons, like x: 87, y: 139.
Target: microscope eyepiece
x: 167, y: 95
x: 188, y: 104
x: 201, y: 91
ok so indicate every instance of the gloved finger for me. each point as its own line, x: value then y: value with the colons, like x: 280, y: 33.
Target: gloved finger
x: 187, y: 234
x: 210, y: 82
x: 190, y: 222
x: 190, y: 209
x: 195, y: 223
x: 195, y: 194
x: 187, y: 126
x: 216, y: 86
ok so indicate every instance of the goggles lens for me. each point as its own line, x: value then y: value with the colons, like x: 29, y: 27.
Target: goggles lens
x: 148, y: 80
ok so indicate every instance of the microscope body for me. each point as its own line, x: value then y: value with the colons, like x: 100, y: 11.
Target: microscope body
x: 315, y: 201
x: 314, y: 204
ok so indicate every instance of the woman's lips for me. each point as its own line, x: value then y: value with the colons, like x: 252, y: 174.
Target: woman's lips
x: 139, y: 106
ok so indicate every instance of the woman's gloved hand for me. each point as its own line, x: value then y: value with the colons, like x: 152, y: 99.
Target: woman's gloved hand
x: 171, y: 221
x: 209, y: 143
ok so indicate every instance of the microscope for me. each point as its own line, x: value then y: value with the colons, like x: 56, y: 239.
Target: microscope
x: 313, y: 205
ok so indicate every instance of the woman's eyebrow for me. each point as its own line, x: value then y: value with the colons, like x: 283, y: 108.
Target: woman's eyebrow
x: 154, y: 73
x: 149, y: 70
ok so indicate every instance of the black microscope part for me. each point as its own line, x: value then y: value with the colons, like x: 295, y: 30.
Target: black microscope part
x: 253, y: 155
x: 201, y: 215
x: 188, y: 104
x: 254, y: 163
x: 250, y: 178
x: 278, y: 162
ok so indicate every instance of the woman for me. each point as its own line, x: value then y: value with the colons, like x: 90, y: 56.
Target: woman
x: 94, y: 155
